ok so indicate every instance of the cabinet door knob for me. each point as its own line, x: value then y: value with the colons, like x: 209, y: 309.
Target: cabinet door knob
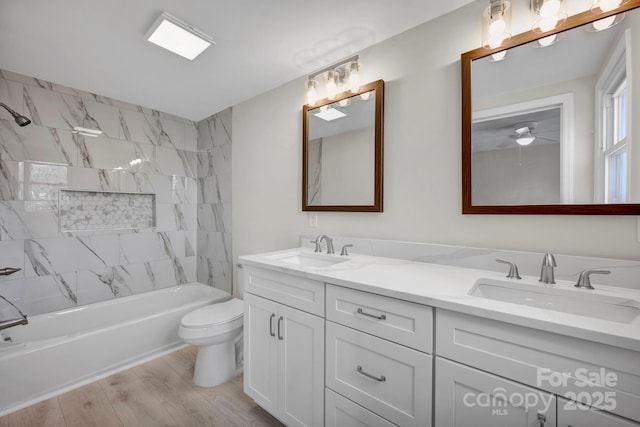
x: 375, y: 316
x: 280, y: 337
x: 273, y: 316
x: 381, y: 378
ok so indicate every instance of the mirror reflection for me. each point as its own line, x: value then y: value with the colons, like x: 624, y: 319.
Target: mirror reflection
x: 342, y: 152
x: 551, y: 121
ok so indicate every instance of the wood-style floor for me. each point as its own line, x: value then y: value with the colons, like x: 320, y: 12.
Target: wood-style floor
x: 157, y: 393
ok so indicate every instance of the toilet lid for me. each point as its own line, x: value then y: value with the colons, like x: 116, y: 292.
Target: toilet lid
x: 214, y: 314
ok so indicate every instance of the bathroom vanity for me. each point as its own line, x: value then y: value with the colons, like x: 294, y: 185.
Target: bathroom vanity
x: 361, y: 340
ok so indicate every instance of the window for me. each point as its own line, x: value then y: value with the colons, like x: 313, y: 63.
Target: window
x: 612, y: 148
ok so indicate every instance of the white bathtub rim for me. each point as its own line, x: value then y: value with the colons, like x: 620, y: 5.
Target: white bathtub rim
x: 22, y: 347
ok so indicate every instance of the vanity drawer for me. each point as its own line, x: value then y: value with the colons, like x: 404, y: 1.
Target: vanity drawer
x: 391, y: 380
x: 341, y: 412
x: 552, y: 362
x: 297, y: 292
x: 399, y: 321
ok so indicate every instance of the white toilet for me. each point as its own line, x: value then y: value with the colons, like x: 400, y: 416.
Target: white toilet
x: 214, y: 329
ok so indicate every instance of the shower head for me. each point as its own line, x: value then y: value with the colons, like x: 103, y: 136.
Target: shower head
x: 19, y: 118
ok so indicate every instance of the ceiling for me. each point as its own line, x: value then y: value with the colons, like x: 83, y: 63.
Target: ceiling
x: 99, y: 46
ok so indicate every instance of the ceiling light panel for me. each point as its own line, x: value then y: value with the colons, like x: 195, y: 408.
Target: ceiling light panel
x: 178, y: 37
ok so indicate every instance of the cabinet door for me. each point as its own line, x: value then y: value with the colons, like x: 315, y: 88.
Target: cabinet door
x: 260, y: 351
x: 301, y: 367
x: 466, y: 397
x: 570, y: 415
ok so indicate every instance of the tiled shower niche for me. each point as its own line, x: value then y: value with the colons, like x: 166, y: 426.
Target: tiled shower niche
x: 101, y: 210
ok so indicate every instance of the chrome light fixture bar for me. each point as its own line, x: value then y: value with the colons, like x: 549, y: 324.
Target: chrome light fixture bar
x: 332, y: 79
x: 178, y: 37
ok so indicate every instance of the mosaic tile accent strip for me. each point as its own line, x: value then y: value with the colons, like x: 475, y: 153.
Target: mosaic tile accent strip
x: 97, y: 210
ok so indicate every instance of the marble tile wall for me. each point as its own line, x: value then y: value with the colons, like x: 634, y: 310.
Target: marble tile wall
x: 214, y: 257
x: 141, y: 151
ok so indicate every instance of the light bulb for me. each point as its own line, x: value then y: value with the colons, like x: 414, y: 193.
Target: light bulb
x: 312, y: 94
x: 525, y: 140
x: 607, y: 5
x: 603, y: 24
x: 354, y: 77
x: 331, y: 88
x: 550, y: 8
x: 345, y: 102
x: 497, y: 27
x: 547, y: 41
x: 547, y: 23
x: 365, y: 96
x: 498, y: 56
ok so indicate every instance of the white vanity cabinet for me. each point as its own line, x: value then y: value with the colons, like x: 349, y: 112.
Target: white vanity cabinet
x: 284, y: 346
x: 481, y: 350
x: 572, y: 415
x: 378, y: 362
x: 468, y: 397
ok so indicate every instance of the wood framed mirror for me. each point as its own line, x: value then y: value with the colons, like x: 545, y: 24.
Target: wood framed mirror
x: 548, y: 129
x: 342, y: 151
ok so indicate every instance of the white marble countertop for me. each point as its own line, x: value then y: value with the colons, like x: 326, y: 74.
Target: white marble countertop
x: 447, y: 288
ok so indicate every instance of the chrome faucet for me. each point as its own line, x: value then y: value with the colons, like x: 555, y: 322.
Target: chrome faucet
x: 317, y: 242
x: 513, y: 269
x: 546, y: 271
x: 584, y: 281
x: 329, y: 241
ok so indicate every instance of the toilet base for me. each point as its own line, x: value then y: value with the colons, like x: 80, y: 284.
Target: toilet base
x: 215, y: 364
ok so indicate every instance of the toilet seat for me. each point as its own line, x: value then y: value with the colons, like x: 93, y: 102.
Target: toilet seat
x: 214, y: 314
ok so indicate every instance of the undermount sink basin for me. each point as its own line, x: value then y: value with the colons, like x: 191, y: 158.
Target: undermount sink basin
x: 606, y: 307
x: 309, y: 259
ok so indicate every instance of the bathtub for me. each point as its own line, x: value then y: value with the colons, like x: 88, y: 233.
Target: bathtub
x: 59, y: 351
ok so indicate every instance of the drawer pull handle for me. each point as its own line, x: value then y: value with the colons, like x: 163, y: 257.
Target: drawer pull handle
x: 280, y: 337
x: 273, y: 316
x: 542, y: 419
x: 381, y: 317
x: 381, y: 378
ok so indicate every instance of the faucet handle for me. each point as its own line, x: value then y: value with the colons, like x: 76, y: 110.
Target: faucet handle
x: 513, y: 269
x: 344, y: 252
x: 584, y: 279
x: 317, y: 242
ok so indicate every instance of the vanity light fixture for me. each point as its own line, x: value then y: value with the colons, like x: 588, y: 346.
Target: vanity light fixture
x: 496, y: 21
x: 602, y: 6
x: 547, y: 14
x: 330, y: 80
x: 177, y: 36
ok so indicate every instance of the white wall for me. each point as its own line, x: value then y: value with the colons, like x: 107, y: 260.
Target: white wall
x: 422, y: 161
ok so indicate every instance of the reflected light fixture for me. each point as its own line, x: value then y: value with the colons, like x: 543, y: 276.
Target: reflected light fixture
x: 326, y: 83
x: 93, y: 133
x: 602, y: 6
x: 498, y: 56
x: 330, y: 114
x: 523, y: 134
x: 496, y: 23
x: 547, y: 41
x: 178, y: 37
x: 547, y: 14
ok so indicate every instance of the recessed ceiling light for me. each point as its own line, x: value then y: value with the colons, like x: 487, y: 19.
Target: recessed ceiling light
x: 330, y: 114
x: 177, y: 36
